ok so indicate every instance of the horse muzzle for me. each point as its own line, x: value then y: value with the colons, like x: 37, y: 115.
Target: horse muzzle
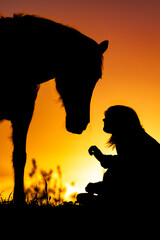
x: 76, y: 126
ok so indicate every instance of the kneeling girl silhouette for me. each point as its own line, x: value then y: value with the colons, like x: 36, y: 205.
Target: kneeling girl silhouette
x: 132, y: 174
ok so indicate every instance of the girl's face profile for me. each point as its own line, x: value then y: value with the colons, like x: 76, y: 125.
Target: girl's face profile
x: 107, y: 123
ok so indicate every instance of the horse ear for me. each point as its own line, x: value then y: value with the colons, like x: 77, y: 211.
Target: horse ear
x: 103, y: 46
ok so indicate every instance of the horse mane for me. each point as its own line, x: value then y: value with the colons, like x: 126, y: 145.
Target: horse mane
x: 21, y: 18
x: 71, y: 36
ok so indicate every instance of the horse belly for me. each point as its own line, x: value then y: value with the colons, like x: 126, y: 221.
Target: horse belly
x: 16, y: 100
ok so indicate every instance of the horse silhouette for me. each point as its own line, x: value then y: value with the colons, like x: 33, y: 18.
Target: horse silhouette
x: 34, y: 50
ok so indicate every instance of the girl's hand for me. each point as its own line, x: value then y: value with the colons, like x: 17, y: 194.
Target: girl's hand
x: 93, y: 150
x: 90, y: 188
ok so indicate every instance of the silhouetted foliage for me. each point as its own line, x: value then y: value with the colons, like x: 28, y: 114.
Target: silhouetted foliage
x: 46, y: 190
x: 49, y: 188
x: 34, y: 168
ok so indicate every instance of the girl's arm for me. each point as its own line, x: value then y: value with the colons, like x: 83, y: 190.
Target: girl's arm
x: 105, y: 160
x: 108, y: 161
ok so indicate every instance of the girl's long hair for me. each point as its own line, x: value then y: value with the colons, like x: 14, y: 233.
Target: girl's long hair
x: 111, y: 142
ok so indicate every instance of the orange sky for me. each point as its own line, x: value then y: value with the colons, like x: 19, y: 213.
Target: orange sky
x: 131, y: 76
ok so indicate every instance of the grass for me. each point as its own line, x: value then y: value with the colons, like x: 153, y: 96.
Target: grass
x: 46, y: 190
x: 5, y: 204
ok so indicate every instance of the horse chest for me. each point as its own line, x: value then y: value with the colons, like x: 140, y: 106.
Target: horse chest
x: 15, y: 99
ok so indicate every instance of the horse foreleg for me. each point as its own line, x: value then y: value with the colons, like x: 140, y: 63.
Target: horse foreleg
x: 19, y: 159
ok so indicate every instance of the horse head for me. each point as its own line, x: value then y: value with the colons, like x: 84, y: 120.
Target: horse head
x: 81, y: 71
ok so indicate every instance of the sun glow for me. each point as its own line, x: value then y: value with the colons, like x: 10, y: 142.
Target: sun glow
x: 131, y: 77
x: 72, y: 190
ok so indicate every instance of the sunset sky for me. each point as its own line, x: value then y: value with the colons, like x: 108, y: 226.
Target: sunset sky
x: 131, y: 76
